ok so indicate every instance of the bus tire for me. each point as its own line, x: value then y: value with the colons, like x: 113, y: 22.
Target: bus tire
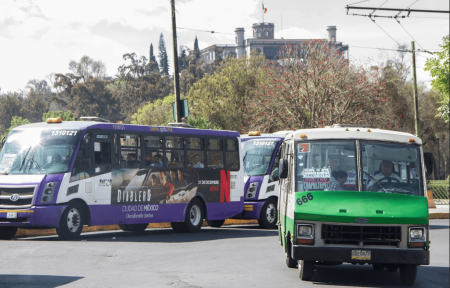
x: 290, y: 263
x: 178, y: 226
x: 408, y: 274
x: 70, y: 226
x: 7, y: 233
x: 268, y: 217
x: 215, y: 223
x: 124, y: 227
x: 306, y: 270
x: 194, y: 216
x: 137, y: 228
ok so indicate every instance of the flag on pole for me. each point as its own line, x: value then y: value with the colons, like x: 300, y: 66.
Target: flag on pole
x: 264, y: 8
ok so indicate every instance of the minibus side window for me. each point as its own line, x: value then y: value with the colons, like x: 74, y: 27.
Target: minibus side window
x: 82, y: 165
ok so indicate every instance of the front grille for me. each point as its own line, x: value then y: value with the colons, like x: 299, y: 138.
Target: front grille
x: 366, y: 235
x: 25, y: 194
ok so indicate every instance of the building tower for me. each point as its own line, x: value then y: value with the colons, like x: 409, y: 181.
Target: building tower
x: 331, y: 33
x: 263, y: 31
x: 240, y: 42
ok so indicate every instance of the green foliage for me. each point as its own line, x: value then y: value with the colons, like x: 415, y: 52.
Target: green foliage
x: 15, y: 121
x: 196, y: 48
x: 88, y: 67
x: 444, y: 110
x: 201, y: 123
x: 158, y: 112
x: 154, y: 67
x: 65, y: 116
x: 439, y: 68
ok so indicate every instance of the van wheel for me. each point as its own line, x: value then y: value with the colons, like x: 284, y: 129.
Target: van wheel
x: 408, y: 273
x: 268, y: 217
x: 215, y: 223
x: 194, y: 216
x: 7, y: 233
x: 306, y: 270
x: 71, y: 223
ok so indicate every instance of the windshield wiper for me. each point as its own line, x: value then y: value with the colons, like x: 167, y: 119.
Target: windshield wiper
x: 37, y: 165
x: 24, y: 157
x: 374, y: 180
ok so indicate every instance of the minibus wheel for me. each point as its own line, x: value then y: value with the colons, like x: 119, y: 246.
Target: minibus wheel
x: 408, y: 273
x: 71, y: 223
x: 306, y: 270
x: 215, y: 223
x: 194, y: 216
x: 268, y: 217
x: 7, y: 233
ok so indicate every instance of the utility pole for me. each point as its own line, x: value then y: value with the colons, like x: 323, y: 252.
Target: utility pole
x: 176, y: 75
x: 439, y: 160
x: 416, y: 105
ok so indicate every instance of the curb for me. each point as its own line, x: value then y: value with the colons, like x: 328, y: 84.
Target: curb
x: 22, y: 233
x: 444, y: 215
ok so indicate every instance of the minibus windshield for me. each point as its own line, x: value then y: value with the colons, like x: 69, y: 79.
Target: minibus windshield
x: 39, y: 151
x: 258, y: 155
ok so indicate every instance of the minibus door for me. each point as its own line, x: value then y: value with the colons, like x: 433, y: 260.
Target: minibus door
x: 102, y: 167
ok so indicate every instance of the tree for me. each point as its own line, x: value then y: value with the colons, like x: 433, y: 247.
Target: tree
x: 153, y: 64
x: 15, y: 121
x: 65, y: 116
x: 88, y: 67
x: 201, y: 123
x: 11, y: 104
x: 222, y: 97
x: 181, y: 59
x: 196, y: 48
x: 439, y: 70
x: 158, y: 112
x: 163, y: 59
x: 312, y: 85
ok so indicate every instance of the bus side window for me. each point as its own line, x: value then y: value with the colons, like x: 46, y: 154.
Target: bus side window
x: 195, y: 152
x: 102, y: 153
x: 232, y: 155
x: 153, y: 151
x: 174, y: 151
x: 82, y: 165
x: 130, y: 150
x: 215, y: 153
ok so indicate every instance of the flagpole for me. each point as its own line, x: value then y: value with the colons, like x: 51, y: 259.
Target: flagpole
x: 262, y: 12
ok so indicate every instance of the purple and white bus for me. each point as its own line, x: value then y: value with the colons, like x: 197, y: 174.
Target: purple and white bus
x: 261, y: 155
x: 65, y: 175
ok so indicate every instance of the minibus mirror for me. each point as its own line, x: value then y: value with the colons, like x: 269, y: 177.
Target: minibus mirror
x: 3, y: 142
x: 428, y: 159
x: 283, y: 167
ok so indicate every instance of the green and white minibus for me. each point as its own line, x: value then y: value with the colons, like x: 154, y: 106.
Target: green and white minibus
x: 353, y: 194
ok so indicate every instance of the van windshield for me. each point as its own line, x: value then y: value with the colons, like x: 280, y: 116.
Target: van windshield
x: 39, y: 151
x: 258, y: 155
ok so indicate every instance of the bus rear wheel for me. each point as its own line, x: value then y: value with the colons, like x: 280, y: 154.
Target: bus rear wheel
x: 7, y: 233
x: 268, y: 217
x: 306, y: 270
x: 71, y: 223
x: 408, y: 274
x: 215, y: 223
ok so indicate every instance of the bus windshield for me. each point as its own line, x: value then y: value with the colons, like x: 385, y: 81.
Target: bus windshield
x: 39, y: 151
x: 257, y: 156
x: 332, y: 166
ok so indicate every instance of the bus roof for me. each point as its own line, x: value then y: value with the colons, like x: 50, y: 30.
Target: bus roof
x: 352, y: 132
x: 82, y: 125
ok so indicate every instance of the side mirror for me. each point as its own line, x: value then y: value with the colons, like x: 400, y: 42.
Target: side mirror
x: 428, y: 159
x: 283, y: 167
x: 3, y: 142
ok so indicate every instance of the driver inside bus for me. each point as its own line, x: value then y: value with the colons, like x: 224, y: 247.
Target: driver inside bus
x: 386, y: 174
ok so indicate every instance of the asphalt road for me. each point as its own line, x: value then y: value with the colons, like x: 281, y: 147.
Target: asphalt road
x: 233, y: 256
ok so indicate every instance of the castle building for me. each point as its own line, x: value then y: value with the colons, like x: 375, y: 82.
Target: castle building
x: 263, y: 41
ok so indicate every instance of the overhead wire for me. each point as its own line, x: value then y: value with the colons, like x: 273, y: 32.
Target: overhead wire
x: 409, y: 33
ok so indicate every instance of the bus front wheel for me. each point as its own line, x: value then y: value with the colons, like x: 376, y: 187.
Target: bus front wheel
x: 408, y: 274
x: 268, y: 217
x: 306, y: 270
x: 7, y: 233
x: 71, y: 223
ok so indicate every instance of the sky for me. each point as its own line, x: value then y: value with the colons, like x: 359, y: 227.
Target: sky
x: 41, y: 37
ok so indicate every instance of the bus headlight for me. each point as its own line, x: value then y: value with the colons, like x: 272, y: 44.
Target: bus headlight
x: 417, y: 236
x: 305, y: 234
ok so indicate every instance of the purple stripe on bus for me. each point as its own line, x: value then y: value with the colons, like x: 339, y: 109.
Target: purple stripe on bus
x: 257, y: 206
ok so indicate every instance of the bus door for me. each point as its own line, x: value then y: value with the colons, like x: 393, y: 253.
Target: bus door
x: 284, y: 188
x: 102, y: 151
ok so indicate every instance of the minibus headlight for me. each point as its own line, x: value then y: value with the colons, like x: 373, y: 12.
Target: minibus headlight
x: 305, y: 234
x: 304, y: 230
x: 48, y: 191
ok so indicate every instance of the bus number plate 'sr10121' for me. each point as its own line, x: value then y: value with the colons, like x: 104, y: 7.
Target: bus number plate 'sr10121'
x: 305, y: 199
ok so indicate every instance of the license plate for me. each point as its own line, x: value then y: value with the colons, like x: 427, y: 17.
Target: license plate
x: 11, y: 215
x: 361, y: 254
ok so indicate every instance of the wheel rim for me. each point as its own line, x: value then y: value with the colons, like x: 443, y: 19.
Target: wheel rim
x: 271, y: 213
x: 195, y: 215
x: 73, y: 220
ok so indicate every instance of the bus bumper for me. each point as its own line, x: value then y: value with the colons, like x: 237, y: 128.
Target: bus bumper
x: 36, y: 217
x: 252, y: 210
x: 379, y: 256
